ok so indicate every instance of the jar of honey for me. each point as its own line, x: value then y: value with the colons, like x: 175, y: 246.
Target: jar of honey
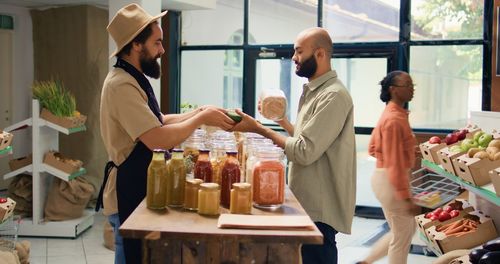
x: 230, y: 174
x: 268, y: 178
x: 176, y: 182
x: 157, y: 181
x: 203, y: 167
x: 208, y: 199
x: 241, y: 198
x: 191, y: 194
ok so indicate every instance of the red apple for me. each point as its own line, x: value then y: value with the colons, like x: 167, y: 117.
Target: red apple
x: 434, y: 140
x: 451, y: 138
x: 462, y: 133
x: 443, y: 216
x: 454, y: 213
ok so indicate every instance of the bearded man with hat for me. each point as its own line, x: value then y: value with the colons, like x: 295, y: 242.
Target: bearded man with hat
x: 132, y: 124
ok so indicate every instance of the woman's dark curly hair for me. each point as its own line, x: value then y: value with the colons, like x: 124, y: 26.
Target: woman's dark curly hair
x: 388, y: 80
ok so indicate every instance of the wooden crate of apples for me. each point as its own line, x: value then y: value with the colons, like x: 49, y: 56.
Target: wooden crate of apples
x: 483, y: 155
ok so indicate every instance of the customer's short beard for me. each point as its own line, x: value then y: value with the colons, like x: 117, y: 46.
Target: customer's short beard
x: 307, y: 68
x: 149, y: 65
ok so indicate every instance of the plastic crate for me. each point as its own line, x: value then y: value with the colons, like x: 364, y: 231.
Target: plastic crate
x: 432, y: 190
x: 8, y: 233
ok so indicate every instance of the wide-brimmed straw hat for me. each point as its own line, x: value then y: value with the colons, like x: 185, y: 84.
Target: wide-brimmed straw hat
x: 128, y: 22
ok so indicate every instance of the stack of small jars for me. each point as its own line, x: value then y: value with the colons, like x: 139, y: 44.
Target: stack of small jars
x: 218, y: 169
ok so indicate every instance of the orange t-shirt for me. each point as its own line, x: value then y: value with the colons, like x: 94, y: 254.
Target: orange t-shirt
x: 393, y: 143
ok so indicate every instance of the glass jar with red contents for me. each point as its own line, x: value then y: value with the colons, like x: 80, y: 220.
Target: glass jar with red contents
x: 268, y: 179
x: 203, y: 167
x: 230, y: 174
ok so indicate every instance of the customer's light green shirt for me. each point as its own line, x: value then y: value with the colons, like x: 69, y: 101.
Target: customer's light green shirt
x: 322, y: 152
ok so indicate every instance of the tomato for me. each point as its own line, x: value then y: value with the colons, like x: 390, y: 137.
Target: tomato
x: 443, y: 216
x: 447, y: 208
x: 437, y: 211
x: 434, y: 217
x: 454, y: 213
x: 428, y: 215
x: 3, y: 200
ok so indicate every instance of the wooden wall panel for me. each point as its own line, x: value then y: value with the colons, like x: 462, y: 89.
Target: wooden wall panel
x: 71, y: 45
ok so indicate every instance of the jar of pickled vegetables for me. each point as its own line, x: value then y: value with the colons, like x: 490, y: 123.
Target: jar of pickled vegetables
x: 268, y: 178
x: 191, y: 194
x: 230, y: 174
x: 157, y: 181
x: 241, y: 198
x: 208, y: 199
x: 176, y: 182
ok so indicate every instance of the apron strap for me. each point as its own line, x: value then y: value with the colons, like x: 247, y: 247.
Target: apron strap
x: 107, y: 170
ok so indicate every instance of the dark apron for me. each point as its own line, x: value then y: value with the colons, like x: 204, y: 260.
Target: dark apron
x: 131, y: 176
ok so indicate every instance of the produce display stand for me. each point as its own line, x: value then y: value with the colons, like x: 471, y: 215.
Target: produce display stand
x: 45, y: 138
x: 6, y: 151
x: 425, y: 182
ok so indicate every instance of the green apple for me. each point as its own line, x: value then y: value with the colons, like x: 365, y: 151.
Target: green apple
x: 478, y: 135
x: 485, y: 139
x: 456, y: 149
x: 468, y: 143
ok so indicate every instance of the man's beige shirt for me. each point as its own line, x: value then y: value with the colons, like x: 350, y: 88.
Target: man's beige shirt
x: 322, y: 152
x: 125, y: 115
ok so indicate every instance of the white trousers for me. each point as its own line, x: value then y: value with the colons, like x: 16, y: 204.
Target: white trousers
x: 396, y: 243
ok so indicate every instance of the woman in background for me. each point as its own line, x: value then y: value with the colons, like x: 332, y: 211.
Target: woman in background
x: 393, y: 144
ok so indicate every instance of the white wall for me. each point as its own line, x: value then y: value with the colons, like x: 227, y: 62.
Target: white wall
x: 22, y: 75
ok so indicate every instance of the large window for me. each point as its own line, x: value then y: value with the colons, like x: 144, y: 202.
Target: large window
x: 442, y: 44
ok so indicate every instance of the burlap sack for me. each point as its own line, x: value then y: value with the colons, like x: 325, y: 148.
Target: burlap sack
x: 109, y: 236
x: 67, y: 200
x: 20, y: 190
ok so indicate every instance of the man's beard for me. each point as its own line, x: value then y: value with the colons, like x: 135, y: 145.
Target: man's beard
x: 307, y: 68
x: 149, y: 66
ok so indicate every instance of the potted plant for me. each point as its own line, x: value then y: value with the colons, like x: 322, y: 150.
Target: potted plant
x: 58, y: 104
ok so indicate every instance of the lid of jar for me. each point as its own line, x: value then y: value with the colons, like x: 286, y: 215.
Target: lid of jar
x: 177, y: 150
x: 204, y: 150
x: 242, y: 185
x: 158, y: 150
x: 209, y: 185
x: 194, y: 181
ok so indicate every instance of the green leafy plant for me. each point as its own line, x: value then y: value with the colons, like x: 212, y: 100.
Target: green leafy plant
x: 55, y: 98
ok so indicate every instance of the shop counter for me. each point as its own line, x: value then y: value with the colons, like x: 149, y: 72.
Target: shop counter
x: 180, y: 236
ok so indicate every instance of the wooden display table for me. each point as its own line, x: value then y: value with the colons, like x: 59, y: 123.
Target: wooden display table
x: 179, y: 236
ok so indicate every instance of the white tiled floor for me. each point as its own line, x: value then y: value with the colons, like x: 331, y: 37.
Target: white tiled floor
x: 88, y: 247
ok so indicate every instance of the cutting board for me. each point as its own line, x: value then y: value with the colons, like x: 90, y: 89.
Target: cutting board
x: 273, y: 222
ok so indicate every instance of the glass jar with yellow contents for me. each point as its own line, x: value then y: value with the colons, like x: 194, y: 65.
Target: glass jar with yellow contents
x: 241, y: 198
x: 208, y: 199
x: 157, y: 181
x: 191, y: 194
x: 176, y: 182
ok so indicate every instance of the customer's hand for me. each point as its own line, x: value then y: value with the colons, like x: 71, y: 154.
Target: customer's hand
x: 247, y: 123
x: 215, y: 116
x: 412, y: 208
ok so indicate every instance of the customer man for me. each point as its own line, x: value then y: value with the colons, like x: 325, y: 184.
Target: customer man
x: 131, y: 122
x: 321, y: 147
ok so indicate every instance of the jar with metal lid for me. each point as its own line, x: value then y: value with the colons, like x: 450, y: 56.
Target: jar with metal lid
x: 157, y: 181
x: 191, y: 194
x: 176, y: 182
x: 203, y: 167
x: 208, y: 199
x: 230, y: 174
x: 192, y: 147
x: 269, y: 178
x: 241, y: 198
